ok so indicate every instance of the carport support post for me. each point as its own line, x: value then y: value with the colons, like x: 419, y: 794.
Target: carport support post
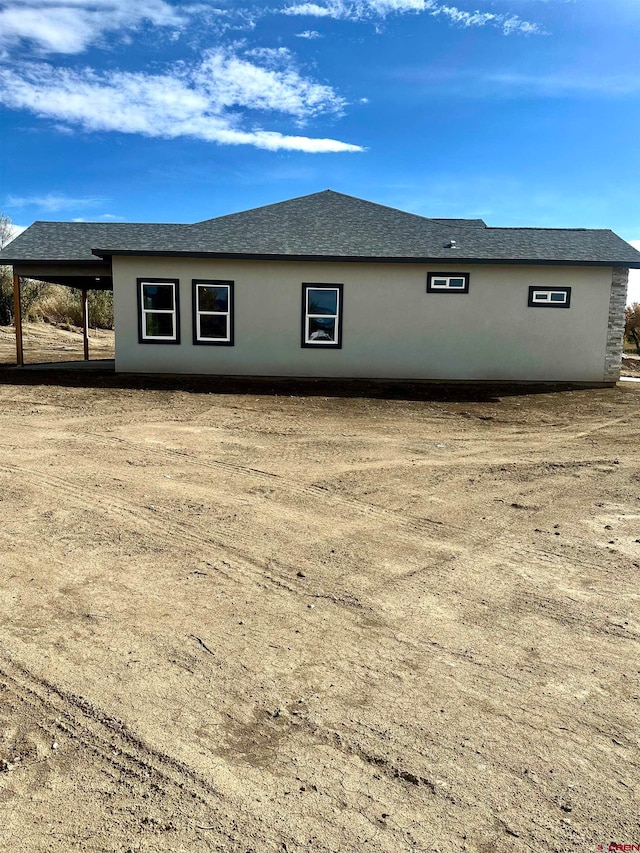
x: 85, y: 325
x: 17, y: 319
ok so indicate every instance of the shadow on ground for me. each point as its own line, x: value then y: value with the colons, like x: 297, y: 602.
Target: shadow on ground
x: 101, y: 375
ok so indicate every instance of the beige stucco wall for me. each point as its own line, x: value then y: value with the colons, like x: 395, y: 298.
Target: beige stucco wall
x: 392, y: 328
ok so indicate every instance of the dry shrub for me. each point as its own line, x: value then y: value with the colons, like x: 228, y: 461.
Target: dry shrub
x: 632, y: 326
x: 6, y: 296
x: 54, y: 304
x: 62, y: 306
x: 101, y: 309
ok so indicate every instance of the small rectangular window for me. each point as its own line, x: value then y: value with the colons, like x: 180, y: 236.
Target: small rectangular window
x: 549, y: 297
x: 213, y: 312
x: 158, y: 311
x: 439, y: 282
x: 322, y: 315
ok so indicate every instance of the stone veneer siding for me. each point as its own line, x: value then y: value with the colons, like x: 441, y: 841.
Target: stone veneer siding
x: 615, y: 329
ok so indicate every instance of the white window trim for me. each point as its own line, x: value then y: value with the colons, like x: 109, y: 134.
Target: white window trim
x: 545, y: 297
x: 144, y: 311
x: 337, y: 316
x: 447, y: 282
x: 199, y: 313
x: 540, y: 297
x: 432, y: 277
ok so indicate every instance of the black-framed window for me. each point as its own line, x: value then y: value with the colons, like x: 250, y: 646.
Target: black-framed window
x: 158, y: 311
x: 322, y: 315
x: 549, y: 297
x: 212, y: 312
x: 448, y: 282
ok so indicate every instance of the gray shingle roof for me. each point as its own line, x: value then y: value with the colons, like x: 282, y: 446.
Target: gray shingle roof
x: 473, y: 223
x: 74, y: 241
x: 324, y: 225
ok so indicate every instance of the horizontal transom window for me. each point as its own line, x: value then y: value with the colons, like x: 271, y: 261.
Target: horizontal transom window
x: 213, y: 312
x: 449, y: 282
x: 549, y: 297
x: 322, y: 315
x: 158, y: 320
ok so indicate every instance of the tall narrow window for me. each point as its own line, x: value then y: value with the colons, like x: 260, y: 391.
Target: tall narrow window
x: 322, y: 315
x: 213, y: 312
x: 158, y: 314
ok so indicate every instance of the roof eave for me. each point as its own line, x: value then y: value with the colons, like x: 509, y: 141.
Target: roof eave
x: 42, y: 261
x: 440, y: 259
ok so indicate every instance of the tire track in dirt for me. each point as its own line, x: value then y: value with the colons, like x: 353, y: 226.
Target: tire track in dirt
x: 413, y: 523
x: 95, y: 730
x: 566, y: 613
x: 624, y: 419
x: 275, y: 574
x: 410, y: 523
x: 128, y: 761
x: 135, y: 766
x: 546, y: 467
x: 110, y: 504
x: 265, y: 573
x: 172, y: 789
x: 544, y: 555
x: 400, y: 773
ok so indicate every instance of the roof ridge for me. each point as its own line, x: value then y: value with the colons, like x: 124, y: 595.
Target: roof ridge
x: 121, y: 224
x: 539, y: 228
x: 362, y: 201
x: 260, y: 207
x: 377, y: 204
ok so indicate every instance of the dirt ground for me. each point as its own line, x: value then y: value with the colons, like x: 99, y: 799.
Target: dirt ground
x: 285, y: 617
x: 45, y: 343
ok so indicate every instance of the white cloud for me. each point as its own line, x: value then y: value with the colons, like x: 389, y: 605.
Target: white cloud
x: 228, y: 80
x: 309, y: 34
x: 272, y: 57
x: 104, y: 217
x: 356, y: 10
x: 514, y: 24
x: 204, y: 102
x: 71, y: 26
x: 332, y: 10
x: 563, y: 83
x: 53, y: 202
x: 513, y: 84
x: 509, y: 24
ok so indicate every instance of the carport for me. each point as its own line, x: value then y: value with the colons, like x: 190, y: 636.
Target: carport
x: 84, y: 277
x: 61, y: 253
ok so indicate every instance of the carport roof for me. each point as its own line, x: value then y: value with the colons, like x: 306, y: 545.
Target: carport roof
x: 324, y: 226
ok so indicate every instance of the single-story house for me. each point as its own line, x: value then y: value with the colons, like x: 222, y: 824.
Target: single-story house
x: 328, y: 285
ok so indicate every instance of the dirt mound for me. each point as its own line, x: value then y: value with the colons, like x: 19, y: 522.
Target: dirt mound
x: 630, y: 366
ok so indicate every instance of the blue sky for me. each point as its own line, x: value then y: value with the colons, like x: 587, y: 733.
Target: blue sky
x: 523, y: 112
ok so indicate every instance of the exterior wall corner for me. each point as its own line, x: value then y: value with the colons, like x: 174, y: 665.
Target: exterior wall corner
x: 615, y: 326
